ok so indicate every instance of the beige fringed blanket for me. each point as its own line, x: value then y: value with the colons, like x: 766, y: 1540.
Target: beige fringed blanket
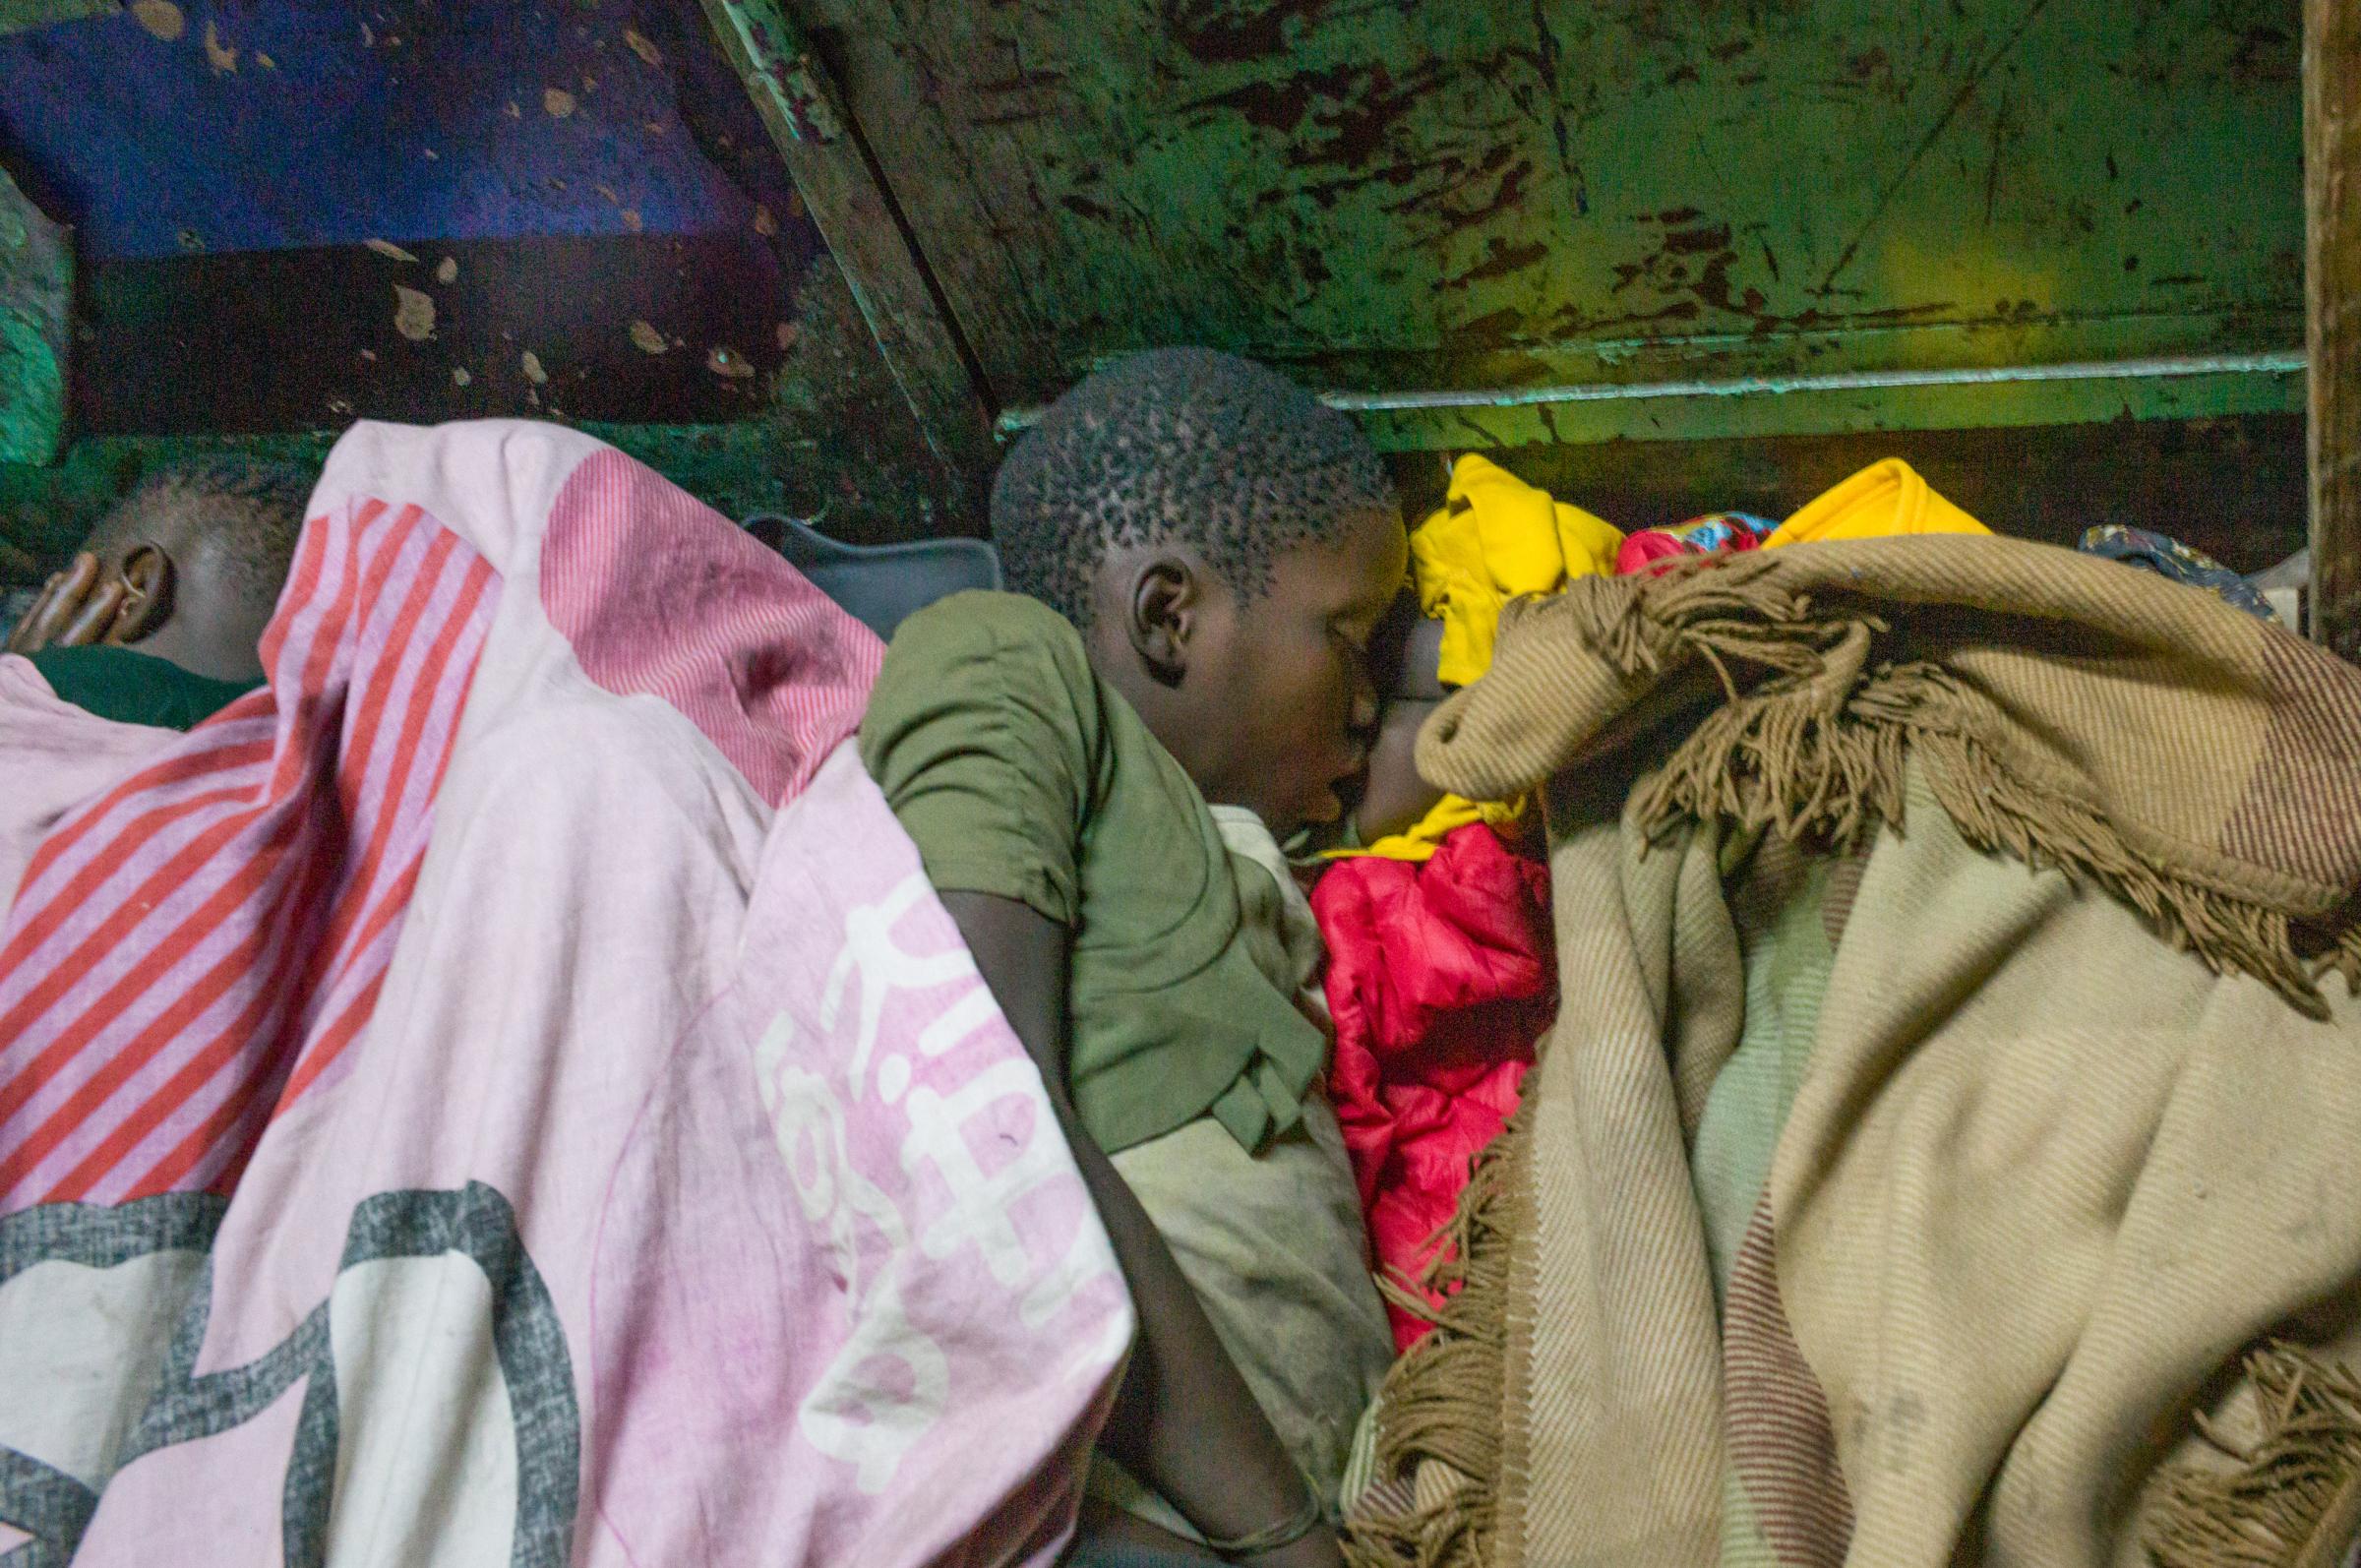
x: 2059, y: 1242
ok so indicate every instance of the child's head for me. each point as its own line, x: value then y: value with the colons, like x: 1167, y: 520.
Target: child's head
x: 1227, y: 546
x: 202, y: 551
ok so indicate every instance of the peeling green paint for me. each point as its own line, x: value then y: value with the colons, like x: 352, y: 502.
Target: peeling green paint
x: 36, y: 292
x: 1437, y: 199
x: 778, y: 66
x: 836, y: 444
x: 1966, y: 397
x: 1539, y: 225
x: 1695, y: 411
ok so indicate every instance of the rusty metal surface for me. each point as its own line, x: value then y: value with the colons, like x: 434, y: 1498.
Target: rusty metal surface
x: 837, y: 176
x: 18, y: 15
x: 830, y: 448
x: 242, y: 125
x: 1830, y: 401
x: 648, y: 246
x: 1499, y: 194
x: 2232, y: 487
x: 1723, y: 219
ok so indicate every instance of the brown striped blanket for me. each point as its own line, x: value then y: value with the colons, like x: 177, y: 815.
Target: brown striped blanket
x: 2056, y: 1217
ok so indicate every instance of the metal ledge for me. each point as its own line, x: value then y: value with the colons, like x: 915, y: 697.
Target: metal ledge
x: 2161, y: 386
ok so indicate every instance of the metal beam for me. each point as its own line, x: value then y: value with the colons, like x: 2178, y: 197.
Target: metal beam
x: 837, y: 177
x: 1932, y: 397
x: 2332, y: 283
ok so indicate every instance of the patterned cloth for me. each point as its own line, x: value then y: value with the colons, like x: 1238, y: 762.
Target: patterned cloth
x: 505, y: 1091
x: 2170, y: 559
x: 54, y: 755
x: 1715, y: 534
x: 2072, y: 1122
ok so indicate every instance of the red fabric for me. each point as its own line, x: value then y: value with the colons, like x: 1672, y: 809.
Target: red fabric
x: 188, y: 951
x: 1642, y: 550
x: 1717, y: 534
x: 1441, y: 978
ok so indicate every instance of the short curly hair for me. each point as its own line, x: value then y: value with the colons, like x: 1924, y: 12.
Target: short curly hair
x: 250, y: 513
x: 1182, y: 445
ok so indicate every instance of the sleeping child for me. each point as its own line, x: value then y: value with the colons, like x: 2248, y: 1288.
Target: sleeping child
x: 1095, y: 770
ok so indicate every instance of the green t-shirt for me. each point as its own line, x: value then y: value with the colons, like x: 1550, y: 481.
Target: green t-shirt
x: 1019, y: 773
x: 134, y: 688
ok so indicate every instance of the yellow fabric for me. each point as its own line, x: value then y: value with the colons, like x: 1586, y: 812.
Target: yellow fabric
x: 1884, y: 499
x: 1419, y: 840
x: 1495, y: 538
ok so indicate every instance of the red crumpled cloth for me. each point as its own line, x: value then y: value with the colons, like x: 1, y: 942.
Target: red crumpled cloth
x: 1442, y: 977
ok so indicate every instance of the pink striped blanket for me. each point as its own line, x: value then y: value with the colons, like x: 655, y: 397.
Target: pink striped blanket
x: 505, y: 1092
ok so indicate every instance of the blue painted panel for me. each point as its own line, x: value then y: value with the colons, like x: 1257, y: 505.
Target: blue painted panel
x: 269, y: 124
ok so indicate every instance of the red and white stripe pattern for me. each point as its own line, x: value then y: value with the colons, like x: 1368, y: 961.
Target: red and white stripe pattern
x: 658, y: 593
x: 196, y: 947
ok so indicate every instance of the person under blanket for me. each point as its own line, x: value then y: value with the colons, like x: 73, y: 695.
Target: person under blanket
x: 159, y: 617
x: 1204, y: 554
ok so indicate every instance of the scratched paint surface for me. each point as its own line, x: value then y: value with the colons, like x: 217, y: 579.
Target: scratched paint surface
x: 1494, y: 193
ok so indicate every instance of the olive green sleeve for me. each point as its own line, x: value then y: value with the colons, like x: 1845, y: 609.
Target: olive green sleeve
x: 986, y: 733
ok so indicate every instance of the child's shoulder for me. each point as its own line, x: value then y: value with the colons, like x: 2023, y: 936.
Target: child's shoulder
x: 984, y: 658
x: 981, y: 623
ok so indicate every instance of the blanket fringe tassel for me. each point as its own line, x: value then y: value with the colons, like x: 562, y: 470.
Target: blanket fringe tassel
x: 1818, y: 749
x: 1439, y: 1414
x: 2293, y: 1499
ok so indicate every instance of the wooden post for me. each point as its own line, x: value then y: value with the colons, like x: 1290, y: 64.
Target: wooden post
x: 839, y: 180
x: 2332, y: 288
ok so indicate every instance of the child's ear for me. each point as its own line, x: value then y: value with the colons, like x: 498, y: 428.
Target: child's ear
x: 1161, y: 616
x: 147, y: 581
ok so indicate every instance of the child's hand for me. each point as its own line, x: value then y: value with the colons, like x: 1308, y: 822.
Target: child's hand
x: 78, y: 606
x: 1394, y: 797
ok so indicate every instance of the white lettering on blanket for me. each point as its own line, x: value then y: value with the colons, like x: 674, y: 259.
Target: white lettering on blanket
x: 873, y: 956
x: 860, y: 1411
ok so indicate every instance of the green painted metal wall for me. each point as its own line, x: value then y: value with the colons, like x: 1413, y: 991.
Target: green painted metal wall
x: 1544, y: 224
x: 1485, y: 198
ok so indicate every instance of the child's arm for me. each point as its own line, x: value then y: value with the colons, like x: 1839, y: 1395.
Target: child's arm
x: 1184, y: 1419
